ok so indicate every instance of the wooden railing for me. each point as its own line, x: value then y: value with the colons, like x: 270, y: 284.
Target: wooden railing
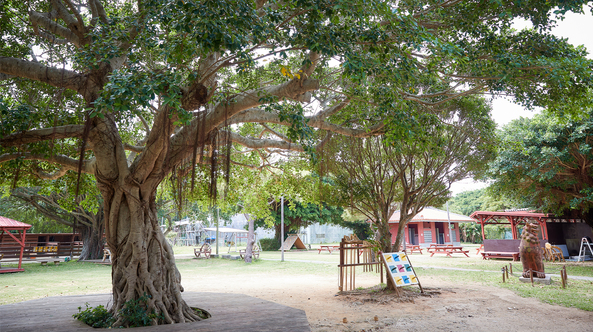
x: 33, y: 251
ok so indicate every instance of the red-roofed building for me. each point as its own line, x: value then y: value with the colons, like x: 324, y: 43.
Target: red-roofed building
x: 16, y: 230
x: 431, y: 225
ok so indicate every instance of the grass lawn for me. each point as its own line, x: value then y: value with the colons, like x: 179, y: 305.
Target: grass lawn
x: 73, y: 278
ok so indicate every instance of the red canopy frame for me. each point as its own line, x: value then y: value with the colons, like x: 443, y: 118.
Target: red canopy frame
x: 6, y: 226
x: 513, y: 218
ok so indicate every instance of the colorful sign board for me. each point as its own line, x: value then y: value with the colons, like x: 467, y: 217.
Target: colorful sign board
x: 400, y: 269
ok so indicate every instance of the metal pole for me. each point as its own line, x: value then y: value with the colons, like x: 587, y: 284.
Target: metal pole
x: 216, y: 231
x: 449, y: 221
x: 282, y: 227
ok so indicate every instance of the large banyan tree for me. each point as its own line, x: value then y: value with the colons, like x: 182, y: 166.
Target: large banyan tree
x: 134, y: 91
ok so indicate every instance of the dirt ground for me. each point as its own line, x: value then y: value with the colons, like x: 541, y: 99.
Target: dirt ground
x: 449, y: 307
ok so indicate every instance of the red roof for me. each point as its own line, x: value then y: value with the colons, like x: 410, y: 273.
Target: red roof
x: 8, y: 223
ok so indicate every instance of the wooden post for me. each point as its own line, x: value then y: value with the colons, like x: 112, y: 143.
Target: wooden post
x: 341, y: 286
x: 381, y: 268
x: 531, y: 276
x: 506, y: 270
x: 564, y: 276
x: 502, y: 273
x: 511, y: 266
x: 352, y: 270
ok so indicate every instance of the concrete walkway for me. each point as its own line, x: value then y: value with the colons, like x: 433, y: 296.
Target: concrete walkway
x: 230, y: 312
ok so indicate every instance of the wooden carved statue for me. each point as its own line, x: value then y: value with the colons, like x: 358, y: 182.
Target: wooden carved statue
x: 531, y: 253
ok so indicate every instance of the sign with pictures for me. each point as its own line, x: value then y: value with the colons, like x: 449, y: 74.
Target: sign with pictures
x: 400, y: 269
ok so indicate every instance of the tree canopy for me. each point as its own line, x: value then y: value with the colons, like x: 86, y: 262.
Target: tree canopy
x: 545, y: 163
x: 298, y: 214
x: 376, y: 176
x: 468, y: 202
x: 132, y: 92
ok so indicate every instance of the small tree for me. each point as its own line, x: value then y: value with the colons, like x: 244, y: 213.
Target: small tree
x: 376, y: 175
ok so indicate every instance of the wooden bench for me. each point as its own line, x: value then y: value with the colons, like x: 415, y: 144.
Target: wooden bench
x: 449, y: 250
x: 254, y: 253
x: 501, y: 254
x: 204, y: 251
x: 503, y: 249
x: 481, y: 248
x: 434, y: 246
x: 414, y: 248
x: 44, y: 261
x: 328, y: 248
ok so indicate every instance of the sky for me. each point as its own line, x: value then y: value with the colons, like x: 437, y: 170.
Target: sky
x: 577, y: 28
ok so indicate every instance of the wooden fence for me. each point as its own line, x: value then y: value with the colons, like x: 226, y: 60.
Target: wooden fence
x: 33, y: 251
x: 355, y: 253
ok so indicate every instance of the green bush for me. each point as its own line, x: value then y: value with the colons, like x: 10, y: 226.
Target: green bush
x: 98, y: 316
x: 269, y: 244
x: 133, y: 314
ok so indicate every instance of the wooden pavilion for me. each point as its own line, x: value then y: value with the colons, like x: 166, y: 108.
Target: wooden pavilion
x: 10, y: 226
x: 556, y: 230
x: 513, y: 218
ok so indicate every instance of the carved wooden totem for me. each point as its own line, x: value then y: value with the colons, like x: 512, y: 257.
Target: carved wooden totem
x: 531, y: 253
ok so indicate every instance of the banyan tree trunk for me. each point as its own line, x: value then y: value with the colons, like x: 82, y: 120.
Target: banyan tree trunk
x: 92, y: 239
x: 142, y: 260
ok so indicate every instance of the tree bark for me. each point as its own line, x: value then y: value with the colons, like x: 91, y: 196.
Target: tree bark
x: 277, y: 228
x: 92, y: 239
x: 143, y: 263
x: 142, y: 260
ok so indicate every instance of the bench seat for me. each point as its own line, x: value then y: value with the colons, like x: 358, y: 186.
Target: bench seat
x: 44, y: 261
x: 500, y: 254
x: 254, y: 253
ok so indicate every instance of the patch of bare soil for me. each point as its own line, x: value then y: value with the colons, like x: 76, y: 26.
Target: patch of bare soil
x: 444, y: 307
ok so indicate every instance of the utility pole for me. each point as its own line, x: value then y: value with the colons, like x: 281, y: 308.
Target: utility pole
x: 449, y: 221
x: 282, y: 227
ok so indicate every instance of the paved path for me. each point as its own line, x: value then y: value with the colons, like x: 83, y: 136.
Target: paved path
x: 230, y: 312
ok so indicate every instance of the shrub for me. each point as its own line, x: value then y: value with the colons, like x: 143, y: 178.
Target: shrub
x: 269, y: 244
x: 98, y: 316
x: 133, y: 314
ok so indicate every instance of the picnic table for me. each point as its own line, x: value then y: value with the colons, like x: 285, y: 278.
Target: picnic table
x: 414, y: 248
x: 447, y: 249
x: 328, y: 248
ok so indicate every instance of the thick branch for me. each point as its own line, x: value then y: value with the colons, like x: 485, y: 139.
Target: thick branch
x: 39, y: 135
x: 53, y: 27
x: 258, y: 115
x: 61, y: 78
x: 66, y: 162
x: 264, y: 143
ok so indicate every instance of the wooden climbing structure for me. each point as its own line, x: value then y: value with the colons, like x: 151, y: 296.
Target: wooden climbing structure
x: 354, y: 253
x: 293, y: 240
